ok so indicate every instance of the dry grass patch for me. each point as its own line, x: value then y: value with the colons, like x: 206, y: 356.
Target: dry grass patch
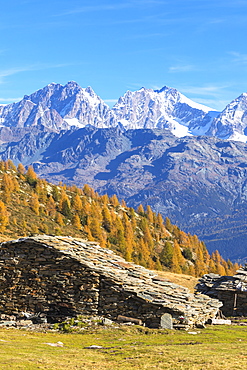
x: 180, y: 279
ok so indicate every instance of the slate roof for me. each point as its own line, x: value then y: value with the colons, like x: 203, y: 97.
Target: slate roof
x: 145, y: 284
x: 211, y: 283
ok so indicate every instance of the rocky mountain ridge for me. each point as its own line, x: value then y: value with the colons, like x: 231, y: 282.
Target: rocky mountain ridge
x: 56, y: 107
x: 163, y: 109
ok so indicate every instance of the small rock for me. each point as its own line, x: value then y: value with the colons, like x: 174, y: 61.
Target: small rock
x: 221, y: 322
x: 24, y: 323
x: 128, y: 323
x: 166, y: 321
x: 94, y: 346
x: 106, y: 321
x: 7, y: 323
x: 58, y: 344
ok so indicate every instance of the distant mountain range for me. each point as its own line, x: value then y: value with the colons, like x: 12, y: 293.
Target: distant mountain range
x: 57, y: 107
x: 154, y: 147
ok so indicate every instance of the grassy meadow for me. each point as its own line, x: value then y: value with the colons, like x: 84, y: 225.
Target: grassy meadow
x: 124, y: 348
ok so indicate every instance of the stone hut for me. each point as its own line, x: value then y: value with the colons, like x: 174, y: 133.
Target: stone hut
x: 230, y: 290
x: 63, y: 276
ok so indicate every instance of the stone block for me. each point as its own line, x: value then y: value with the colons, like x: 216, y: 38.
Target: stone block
x: 166, y: 321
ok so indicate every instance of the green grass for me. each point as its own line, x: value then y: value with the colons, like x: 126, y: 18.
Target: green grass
x: 223, y: 347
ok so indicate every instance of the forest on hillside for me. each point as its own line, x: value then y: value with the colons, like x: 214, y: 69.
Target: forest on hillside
x: 30, y: 205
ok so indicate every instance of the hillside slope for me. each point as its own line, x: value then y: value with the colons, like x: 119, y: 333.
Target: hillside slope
x: 198, y: 182
x: 29, y: 205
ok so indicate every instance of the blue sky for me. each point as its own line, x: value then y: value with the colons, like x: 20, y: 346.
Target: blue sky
x: 196, y: 46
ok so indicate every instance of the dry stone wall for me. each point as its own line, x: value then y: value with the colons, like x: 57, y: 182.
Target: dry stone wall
x: 230, y: 290
x: 35, y: 278
x: 62, y: 276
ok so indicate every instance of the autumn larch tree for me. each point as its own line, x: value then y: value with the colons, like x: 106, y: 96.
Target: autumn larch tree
x: 4, y: 218
x: 31, y: 176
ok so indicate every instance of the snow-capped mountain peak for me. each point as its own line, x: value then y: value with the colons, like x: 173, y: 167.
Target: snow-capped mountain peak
x: 165, y: 108
x: 232, y: 122
x: 57, y: 107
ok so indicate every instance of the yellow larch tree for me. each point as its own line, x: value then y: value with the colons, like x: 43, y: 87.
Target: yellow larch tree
x: 150, y: 215
x: 88, y: 191
x: 105, y: 199
x: 4, y: 218
x: 140, y: 210
x: 129, y: 238
x: 51, y: 207
x: 178, y: 261
x: 76, y: 222
x: 31, y: 176
x: 59, y: 219
x: 64, y: 204
x: 114, y: 200
x: 77, y: 203
x: 107, y: 219
x: 34, y: 203
x: 21, y: 169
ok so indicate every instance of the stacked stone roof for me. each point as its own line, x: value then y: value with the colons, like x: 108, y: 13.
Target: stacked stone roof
x: 211, y: 283
x: 134, y: 280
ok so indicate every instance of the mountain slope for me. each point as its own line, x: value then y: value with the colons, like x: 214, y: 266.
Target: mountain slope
x: 31, y: 205
x: 199, y: 182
